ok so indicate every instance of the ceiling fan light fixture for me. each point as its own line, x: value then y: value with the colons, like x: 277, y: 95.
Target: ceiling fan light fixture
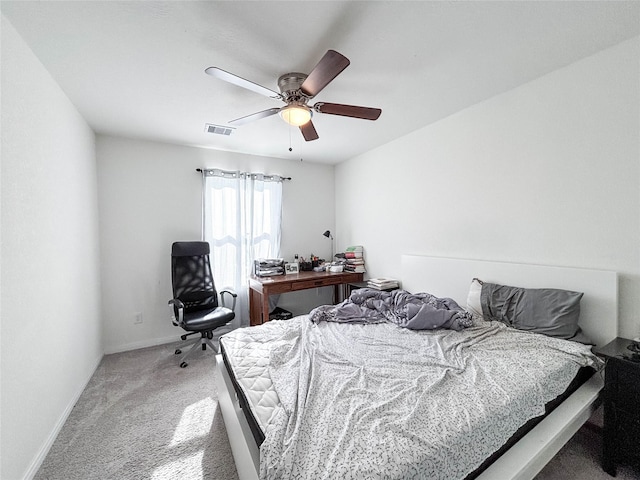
x: 295, y: 115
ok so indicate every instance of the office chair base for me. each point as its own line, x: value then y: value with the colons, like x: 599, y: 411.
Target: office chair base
x: 184, y: 338
x: 203, y: 342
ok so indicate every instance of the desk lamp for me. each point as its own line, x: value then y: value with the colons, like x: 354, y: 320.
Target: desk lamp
x: 327, y: 234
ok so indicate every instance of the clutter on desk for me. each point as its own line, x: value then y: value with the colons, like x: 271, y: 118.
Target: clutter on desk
x: 351, y: 260
x: 268, y: 267
x: 310, y: 264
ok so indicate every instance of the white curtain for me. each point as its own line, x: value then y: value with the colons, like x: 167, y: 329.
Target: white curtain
x: 242, y: 214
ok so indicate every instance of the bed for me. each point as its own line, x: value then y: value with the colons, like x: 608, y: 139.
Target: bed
x: 249, y: 399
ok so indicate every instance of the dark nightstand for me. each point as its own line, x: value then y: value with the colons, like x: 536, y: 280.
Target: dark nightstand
x: 621, y: 440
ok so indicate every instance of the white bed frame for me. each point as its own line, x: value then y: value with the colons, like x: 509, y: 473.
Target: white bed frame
x: 450, y: 277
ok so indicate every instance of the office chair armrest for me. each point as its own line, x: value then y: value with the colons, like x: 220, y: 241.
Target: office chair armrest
x: 233, y: 294
x: 177, y: 311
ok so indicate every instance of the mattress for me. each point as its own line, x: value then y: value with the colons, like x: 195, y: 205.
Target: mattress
x: 247, y: 361
x: 246, y: 354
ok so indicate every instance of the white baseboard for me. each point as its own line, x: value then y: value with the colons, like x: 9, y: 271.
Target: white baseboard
x: 152, y: 342
x: 46, y: 446
x: 147, y: 342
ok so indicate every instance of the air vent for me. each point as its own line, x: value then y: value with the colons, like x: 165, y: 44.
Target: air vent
x: 217, y: 129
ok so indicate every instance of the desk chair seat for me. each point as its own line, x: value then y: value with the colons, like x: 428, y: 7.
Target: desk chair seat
x: 195, y: 306
x: 196, y: 321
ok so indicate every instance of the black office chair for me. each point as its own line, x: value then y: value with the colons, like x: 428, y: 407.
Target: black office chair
x: 194, y: 306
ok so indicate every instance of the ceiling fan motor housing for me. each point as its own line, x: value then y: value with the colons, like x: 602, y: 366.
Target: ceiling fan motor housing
x: 289, y: 85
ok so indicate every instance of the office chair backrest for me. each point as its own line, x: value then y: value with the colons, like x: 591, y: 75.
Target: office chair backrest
x: 191, y: 276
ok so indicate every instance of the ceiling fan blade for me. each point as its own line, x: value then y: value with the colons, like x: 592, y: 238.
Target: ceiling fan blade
x: 241, y: 82
x: 326, y: 70
x: 309, y: 131
x: 255, y: 116
x: 366, y: 113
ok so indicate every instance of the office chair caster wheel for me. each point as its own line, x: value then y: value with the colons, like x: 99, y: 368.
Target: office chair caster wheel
x: 209, y: 335
x: 183, y: 364
x: 178, y: 351
x: 204, y: 346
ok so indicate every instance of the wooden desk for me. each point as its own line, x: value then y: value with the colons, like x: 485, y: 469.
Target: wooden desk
x: 261, y: 287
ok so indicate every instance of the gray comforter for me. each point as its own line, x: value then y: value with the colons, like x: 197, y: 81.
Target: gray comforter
x: 419, y: 311
x: 380, y: 402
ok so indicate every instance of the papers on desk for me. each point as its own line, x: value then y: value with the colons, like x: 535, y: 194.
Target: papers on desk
x: 267, y: 267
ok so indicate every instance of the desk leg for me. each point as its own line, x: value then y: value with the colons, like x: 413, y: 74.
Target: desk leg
x: 341, y: 293
x: 265, y: 307
x: 255, y: 307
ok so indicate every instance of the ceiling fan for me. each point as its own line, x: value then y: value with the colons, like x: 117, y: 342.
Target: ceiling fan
x: 296, y: 89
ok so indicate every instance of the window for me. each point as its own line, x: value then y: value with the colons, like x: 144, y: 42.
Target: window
x: 242, y: 217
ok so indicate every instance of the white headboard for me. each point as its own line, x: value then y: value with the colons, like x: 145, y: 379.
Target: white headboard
x: 451, y: 277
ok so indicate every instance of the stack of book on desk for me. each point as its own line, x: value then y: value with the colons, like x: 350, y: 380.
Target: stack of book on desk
x: 354, y: 258
x: 383, y: 283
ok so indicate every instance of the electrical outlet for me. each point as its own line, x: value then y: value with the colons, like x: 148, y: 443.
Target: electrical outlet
x: 137, y: 317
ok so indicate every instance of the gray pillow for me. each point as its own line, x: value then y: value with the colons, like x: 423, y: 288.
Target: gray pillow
x: 549, y: 311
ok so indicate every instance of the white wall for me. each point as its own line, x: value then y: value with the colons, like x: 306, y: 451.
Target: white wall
x: 51, y: 329
x: 150, y: 196
x: 548, y: 173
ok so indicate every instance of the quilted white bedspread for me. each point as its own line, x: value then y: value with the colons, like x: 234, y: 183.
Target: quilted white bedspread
x: 248, y: 352
x: 382, y: 402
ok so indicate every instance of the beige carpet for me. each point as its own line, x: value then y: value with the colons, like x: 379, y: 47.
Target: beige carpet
x: 580, y: 459
x: 143, y: 417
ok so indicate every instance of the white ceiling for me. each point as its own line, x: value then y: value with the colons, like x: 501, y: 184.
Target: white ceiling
x: 136, y: 69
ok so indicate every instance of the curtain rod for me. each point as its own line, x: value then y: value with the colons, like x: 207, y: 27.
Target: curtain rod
x: 231, y: 172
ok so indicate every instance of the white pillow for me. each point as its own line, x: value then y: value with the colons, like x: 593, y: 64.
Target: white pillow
x: 473, y: 299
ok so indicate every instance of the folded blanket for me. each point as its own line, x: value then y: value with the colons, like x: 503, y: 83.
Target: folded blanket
x: 419, y: 311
